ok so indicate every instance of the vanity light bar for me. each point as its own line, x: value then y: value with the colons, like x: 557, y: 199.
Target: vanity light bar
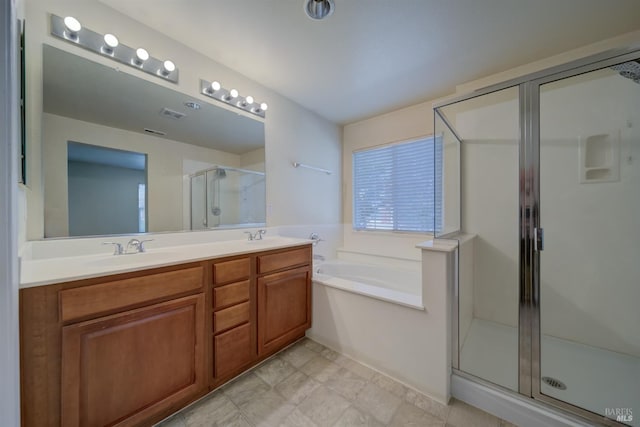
x: 108, y: 45
x: 232, y: 97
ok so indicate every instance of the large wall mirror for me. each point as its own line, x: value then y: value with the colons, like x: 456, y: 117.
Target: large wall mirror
x: 123, y: 155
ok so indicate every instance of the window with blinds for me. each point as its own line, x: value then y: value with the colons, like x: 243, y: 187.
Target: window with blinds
x: 394, y: 187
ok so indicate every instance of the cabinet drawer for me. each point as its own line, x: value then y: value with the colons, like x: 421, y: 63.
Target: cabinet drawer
x: 230, y: 317
x: 231, y: 271
x: 224, y: 296
x: 108, y: 297
x: 280, y: 260
x: 232, y: 350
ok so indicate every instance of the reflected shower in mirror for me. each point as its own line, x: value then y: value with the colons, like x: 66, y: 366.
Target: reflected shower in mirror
x: 87, y: 104
x: 223, y: 197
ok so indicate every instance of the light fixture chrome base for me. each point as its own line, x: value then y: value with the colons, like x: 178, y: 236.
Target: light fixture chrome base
x: 223, y: 95
x: 94, y: 42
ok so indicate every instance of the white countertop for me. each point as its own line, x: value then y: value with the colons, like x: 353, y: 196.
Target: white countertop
x: 63, y: 269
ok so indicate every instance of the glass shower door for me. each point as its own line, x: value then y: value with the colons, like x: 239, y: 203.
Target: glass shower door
x: 589, y: 264
x: 480, y: 199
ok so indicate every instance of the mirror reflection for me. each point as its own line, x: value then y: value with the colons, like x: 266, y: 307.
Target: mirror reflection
x: 122, y: 155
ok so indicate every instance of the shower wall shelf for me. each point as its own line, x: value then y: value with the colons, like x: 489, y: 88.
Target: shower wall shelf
x: 600, y: 158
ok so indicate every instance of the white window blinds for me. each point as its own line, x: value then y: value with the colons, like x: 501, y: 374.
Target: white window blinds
x: 394, y: 187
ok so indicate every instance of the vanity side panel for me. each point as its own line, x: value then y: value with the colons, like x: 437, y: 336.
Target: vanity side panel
x: 40, y: 357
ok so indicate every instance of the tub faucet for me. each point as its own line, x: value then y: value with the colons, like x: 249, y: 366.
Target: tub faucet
x: 315, y: 238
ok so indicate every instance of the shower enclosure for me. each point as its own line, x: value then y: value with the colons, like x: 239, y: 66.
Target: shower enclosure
x: 542, y: 175
x: 227, y: 197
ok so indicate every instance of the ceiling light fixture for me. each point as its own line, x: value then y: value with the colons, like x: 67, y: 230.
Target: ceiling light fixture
x: 70, y: 30
x: 231, y: 97
x: 318, y: 9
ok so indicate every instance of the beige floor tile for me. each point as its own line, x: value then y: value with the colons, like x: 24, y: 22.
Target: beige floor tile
x: 391, y: 385
x: 408, y: 415
x: 378, y: 402
x: 297, y: 355
x: 463, y: 415
x: 346, y: 383
x: 297, y: 419
x: 274, y: 370
x: 353, y: 417
x: 427, y: 404
x: 268, y: 410
x: 323, y: 406
x: 297, y: 387
x: 312, y: 345
x: 245, y: 388
x: 320, y: 368
x: 210, y: 411
x: 356, y: 368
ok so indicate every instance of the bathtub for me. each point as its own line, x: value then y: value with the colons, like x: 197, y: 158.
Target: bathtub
x: 391, y: 284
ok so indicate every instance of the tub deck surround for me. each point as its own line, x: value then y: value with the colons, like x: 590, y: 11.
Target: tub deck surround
x: 38, y: 272
x: 395, y: 285
x: 356, y: 325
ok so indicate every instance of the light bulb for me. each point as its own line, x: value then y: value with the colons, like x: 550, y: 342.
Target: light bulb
x: 169, y: 66
x: 264, y: 106
x: 111, y: 41
x: 142, y: 54
x: 215, y: 86
x: 233, y: 93
x: 72, y: 24
x: 249, y: 99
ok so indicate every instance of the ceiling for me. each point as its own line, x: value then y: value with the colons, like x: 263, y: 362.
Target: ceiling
x: 374, y: 56
x: 70, y: 90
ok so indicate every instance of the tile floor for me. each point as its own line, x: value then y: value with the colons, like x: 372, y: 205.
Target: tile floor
x: 310, y: 385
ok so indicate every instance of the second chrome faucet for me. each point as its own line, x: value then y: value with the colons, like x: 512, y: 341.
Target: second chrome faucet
x: 134, y: 246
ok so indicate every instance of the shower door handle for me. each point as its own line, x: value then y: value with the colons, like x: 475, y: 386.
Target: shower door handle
x: 538, y: 239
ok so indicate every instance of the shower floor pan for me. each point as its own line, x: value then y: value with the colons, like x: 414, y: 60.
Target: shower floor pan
x: 595, y: 379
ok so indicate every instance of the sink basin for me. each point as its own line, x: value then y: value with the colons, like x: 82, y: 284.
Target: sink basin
x: 141, y: 258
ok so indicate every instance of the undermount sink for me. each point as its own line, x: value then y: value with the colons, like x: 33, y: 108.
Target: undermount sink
x: 115, y: 260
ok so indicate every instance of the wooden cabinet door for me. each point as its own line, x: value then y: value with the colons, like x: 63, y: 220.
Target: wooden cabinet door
x: 132, y: 367
x: 284, y: 308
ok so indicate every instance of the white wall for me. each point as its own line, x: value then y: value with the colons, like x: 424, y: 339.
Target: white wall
x: 9, y: 125
x: 292, y: 133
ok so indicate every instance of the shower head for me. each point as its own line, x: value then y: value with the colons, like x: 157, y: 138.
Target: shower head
x: 221, y: 173
x: 629, y: 70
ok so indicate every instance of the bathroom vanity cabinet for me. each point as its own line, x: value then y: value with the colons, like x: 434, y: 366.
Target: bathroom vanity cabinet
x: 130, y: 349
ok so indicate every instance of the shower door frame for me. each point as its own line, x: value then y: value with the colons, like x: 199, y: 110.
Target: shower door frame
x: 529, y: 370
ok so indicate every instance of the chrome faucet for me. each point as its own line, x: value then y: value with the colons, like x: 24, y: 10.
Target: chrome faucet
x: 315, y: 238
x: 136, y: 245
x: 257, y: 236
x: 117, y: 247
